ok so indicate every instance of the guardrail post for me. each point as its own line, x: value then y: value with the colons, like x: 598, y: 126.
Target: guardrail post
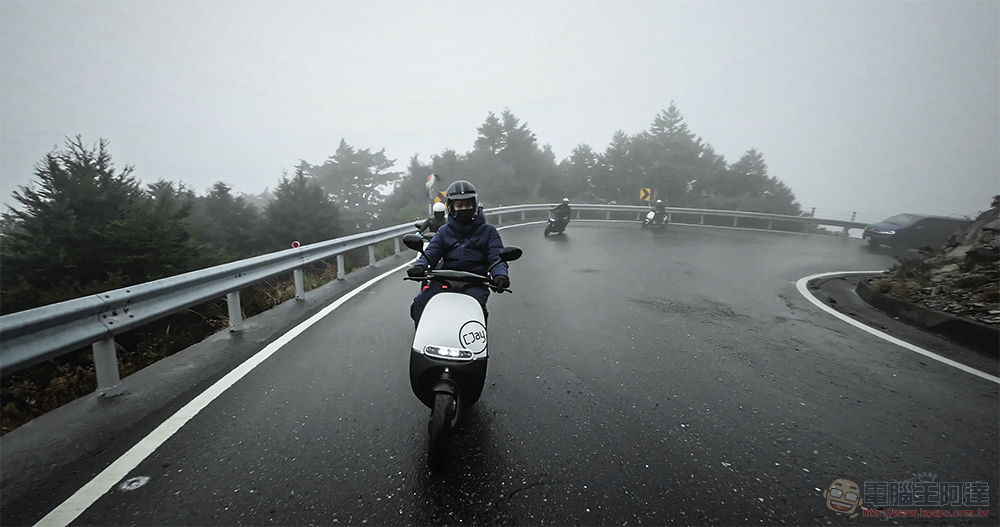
x: 300, y: 287
x: 577, y: 213
x: 769, y: 223
x: 340, y: 267
x: 702, y: 221
x: 734, y: 220
x: 522, y: 215
x: 608, y: 217
x: 638, y: 216
x: 846, y: 230
x: 395, y: 245
x: 499, y: 219
x: 235, y: 312
x: 371, y: 256
x: 106, y: 365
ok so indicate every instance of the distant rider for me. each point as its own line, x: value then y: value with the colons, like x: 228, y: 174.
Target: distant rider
x: 562, y: 210
x: 435, y: 222
x: 465, y: 243
x: 661, y: 211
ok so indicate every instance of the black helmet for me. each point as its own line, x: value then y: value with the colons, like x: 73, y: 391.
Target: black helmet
x: 458, y: 191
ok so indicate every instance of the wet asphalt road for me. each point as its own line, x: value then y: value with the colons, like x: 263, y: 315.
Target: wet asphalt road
x: 635, y: 378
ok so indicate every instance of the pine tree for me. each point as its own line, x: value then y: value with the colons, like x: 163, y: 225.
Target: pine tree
x: 616, y: 177
x: 301, y: 211
x: 235, y: 222
x: 353, y: 179
x: 85, y: 227
x: 491, y: 136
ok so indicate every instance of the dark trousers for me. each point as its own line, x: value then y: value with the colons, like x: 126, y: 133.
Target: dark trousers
x: 420, y: 301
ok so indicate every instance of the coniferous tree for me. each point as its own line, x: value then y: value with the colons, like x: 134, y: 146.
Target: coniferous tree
x: 87, y: 227
x: 301, y: 211
x: 616, y: 177
x: 353, y: 178
x: 230, y: 221
x: 581, y: 170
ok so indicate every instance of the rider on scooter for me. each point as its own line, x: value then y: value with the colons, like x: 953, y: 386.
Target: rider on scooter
x: 661, y: 212
x: 562, y: 210
x: 465, y: 243
x: 435, y: 222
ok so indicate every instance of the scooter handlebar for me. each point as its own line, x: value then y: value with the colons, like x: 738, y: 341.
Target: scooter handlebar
x: 461, y: 276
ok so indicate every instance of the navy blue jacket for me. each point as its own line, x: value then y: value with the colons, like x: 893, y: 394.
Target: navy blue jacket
x: 469, y: 247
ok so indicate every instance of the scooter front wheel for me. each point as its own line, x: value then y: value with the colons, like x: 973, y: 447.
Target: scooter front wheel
x: 547, y: 231
x: 442, y: 417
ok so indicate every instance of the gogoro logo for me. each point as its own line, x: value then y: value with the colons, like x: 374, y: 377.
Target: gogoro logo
x: 472, y: 336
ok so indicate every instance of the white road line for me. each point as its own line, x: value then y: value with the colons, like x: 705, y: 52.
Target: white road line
x: 74, y: 506
x: 801, y: 286
x: 70, y: 509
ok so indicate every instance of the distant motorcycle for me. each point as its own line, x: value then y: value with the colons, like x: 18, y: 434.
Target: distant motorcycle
x: 556, y: 224
x: 654, y: 222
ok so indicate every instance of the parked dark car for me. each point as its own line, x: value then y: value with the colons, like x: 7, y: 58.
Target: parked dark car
x: 913, y: 231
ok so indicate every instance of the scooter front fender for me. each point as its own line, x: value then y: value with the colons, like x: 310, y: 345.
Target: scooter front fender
x: 445, y: 385
x: 463, y: 380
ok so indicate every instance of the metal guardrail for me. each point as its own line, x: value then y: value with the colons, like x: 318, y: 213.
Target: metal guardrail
x: 702, y: 213
x: 36, y: 335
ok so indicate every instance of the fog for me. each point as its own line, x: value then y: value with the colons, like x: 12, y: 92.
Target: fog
x: 880, y: 107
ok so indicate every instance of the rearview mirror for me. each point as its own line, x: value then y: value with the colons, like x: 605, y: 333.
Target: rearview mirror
x: 414, y: 241
x: 510, y: 253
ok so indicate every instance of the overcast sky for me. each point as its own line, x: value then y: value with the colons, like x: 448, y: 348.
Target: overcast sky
x: 877, y: 107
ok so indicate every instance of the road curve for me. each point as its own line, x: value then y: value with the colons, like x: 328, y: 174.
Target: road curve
x: 636, y: 377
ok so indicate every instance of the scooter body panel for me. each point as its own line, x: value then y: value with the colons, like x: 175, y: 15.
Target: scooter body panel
x: 557, y: 225
x: 652, y: 221
x: 450, y: 341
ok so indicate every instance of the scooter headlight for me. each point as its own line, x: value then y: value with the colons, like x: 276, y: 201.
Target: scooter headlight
x: 442, y: 352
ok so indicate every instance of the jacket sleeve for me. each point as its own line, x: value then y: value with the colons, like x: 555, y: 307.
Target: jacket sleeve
x: 433, y: 251
x: 494, y: 244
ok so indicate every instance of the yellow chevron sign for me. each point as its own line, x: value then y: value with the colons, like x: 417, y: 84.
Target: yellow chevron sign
x: 645, y: 194
x: 440, y: 197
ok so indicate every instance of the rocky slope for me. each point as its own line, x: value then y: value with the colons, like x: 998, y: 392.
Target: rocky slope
x: 962, y: 280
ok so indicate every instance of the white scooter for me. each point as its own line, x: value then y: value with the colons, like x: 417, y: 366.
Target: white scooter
x: 652, y: 221
x: 449, y: 352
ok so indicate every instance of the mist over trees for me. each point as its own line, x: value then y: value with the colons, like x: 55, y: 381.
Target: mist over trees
x: 301, y: 211
x: 88, y: 227
x: 352, y: 178
x: 84, y: 226
x: 508, y: 165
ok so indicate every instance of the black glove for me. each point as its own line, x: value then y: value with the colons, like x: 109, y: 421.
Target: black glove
x: 417, y: 271
x: 501, y: 282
